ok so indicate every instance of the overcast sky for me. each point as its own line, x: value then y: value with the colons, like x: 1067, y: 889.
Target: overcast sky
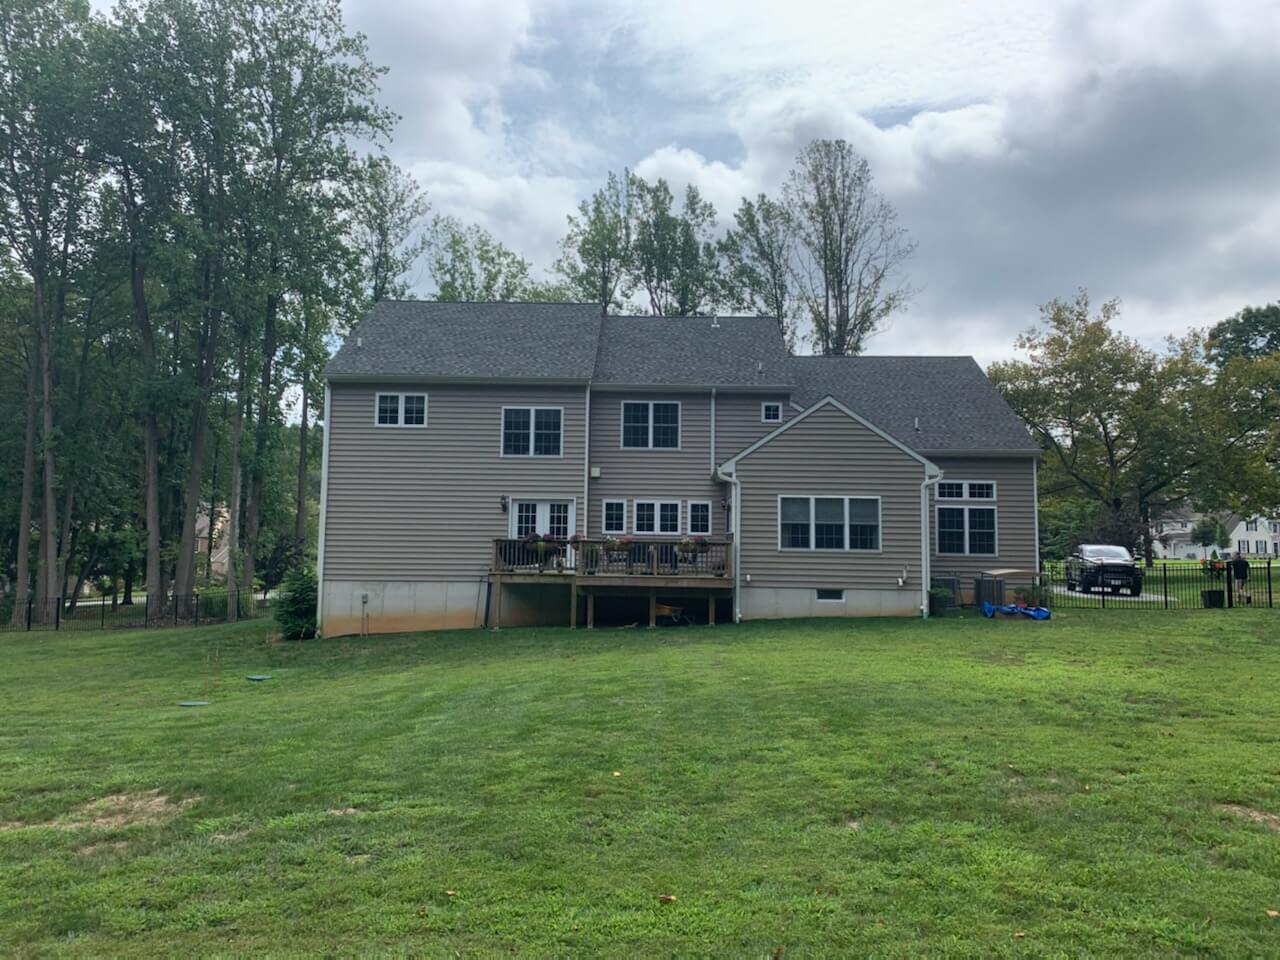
x: 1133, y: 148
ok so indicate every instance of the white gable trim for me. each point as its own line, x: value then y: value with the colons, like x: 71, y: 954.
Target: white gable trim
x: 829, y: 401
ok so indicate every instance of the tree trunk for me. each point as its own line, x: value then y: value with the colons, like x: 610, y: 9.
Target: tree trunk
x: 300, y: 514
x: 22, y: 585
x: 235, y: 493
x: 253, y: 506
x: 150, y: 434
x: 49, y: 528
x: 130, y: 570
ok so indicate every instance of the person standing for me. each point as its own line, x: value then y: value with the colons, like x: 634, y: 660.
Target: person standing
x: 1240, y: 571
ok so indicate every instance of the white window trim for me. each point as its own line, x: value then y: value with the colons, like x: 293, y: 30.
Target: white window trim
x: 657, y: 518
x: 765, y: 405
x: 426, y: 410
x: 622, y: 426
x: 689, y: 519
x: 995, y: 492
x: 846, y: 497
x: 966, y: 506
x: 604, y: 515
x: 533, y: 417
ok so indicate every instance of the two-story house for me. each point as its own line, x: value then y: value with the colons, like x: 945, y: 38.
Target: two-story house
x: 509, y: 463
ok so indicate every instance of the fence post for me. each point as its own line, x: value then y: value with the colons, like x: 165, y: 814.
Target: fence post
x: 28, y: 614
x: 1268, y: 582
x: 197, y: 610
x: 57, y: 613
x: 1164, y: 583
x: 102, y: 621
x: 1229, y: 577
x: 146, y: 609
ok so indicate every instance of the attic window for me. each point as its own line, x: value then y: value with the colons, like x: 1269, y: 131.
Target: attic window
x: 770, y: 413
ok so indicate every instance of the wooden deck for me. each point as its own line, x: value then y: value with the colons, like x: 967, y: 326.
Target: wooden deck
x: 615, y: 567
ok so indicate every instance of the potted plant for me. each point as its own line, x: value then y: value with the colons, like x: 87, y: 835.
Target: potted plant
x: 617, y: 549
x: 542, y: 545
x: 588, y: 553
x: 1214, y: 597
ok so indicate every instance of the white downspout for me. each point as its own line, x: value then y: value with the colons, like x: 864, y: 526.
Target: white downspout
x: 586, y: 463
x: 735, y: 513
x: 925, y: 540
x: 324, y: 509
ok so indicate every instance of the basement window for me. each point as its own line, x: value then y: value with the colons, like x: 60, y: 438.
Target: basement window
x: 831, y: 596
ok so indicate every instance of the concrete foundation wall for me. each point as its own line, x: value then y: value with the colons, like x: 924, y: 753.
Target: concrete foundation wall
x: 773, y: 603
x: 395, y: 607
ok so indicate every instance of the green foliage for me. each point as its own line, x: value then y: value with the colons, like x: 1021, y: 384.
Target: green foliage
x: 758, y: 256
x: 595, y: 253
x: 468, y: 263
x: 674, y: 258
x: 295, y: 609
x: 1252, y: 333
x: 389, y: 208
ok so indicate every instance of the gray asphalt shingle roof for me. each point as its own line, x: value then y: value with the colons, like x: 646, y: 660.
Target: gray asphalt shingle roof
x: 957, y: 406
x: 425, y: 338
x: 741, y: 351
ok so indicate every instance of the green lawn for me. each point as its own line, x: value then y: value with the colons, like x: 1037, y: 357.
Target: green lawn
x: 1105, y: 783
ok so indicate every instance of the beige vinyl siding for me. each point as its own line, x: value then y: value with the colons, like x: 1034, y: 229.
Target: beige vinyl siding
x: 738, y: 423
x: 1014, y: 478
x: 422, y: 504
x: 645, y: 474
x: 830, y: 454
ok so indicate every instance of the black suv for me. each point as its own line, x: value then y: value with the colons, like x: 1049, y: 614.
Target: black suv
x: 1097, y: 565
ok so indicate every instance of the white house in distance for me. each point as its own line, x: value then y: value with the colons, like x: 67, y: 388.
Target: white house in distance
x: 1250, y: 536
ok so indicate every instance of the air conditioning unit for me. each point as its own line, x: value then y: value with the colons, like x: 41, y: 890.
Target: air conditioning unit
x: 989, y: 590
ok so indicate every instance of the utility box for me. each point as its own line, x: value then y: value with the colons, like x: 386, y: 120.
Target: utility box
x: 988, y: 590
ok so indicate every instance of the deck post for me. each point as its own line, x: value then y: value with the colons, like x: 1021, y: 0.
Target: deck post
x: 573, y: 605
x: 497, y: 603
x: 653, y: 609
x: 711, y: 609
x: 591, y: 610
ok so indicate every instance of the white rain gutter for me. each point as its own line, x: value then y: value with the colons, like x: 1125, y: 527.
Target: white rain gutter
x: 925, y: 542
x: 736, y: 522
x: 324, y: 509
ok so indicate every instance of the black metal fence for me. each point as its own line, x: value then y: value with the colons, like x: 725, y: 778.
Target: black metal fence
x: 1169, y: 586
x: 146, y: 613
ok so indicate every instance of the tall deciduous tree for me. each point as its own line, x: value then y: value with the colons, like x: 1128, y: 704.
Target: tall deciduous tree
x: 469, y: 263
x: 674, y: 257
x: 389, y: 207
x: 759, y: 255
x: 1134, y: 430
x: 596, y: 252
x: 1252, y: 333
x: 851, y: 248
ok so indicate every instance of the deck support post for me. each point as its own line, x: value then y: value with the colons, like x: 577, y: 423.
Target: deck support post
x: 591, y: 610
x: 653, y: 609
x: 573, y: 605
x: 711, y: 609
x: 497, y: 603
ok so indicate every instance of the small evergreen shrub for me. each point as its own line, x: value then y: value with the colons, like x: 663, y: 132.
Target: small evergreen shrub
x: 295, y: 609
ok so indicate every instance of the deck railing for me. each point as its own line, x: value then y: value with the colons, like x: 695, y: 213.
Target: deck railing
x: 614, y: 557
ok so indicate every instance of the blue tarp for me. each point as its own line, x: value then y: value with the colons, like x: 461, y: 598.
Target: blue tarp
x: 1035, y: 613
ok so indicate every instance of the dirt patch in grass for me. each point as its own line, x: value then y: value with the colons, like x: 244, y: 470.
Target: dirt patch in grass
x: 229, y: 836
x: 342, y: 812
x: 1269, y: 820
x: 93, y: 849
x: 117, y: 810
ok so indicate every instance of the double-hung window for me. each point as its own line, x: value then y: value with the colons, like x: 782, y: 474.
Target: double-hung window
x: 650, y: 425
x: 400, y: 410
x: 967, y: 518
x: 699, y: 518
x: 532, y: 431
x: 829, y: 523
x: 614, y: 520
x: 657, y: 516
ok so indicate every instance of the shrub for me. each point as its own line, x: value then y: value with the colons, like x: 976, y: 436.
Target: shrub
x: 940, y: 598
x: 295, y: 610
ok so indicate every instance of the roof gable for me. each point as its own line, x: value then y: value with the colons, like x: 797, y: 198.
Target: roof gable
x: 692, y: 351
x: 828, y: 403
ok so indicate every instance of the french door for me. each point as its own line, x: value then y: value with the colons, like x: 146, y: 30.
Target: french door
x: 554, y: 518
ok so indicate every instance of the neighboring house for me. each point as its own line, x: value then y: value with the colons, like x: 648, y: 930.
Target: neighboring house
x: 217, y: 559
x: 822, y: 486
x: 1250, y: 536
